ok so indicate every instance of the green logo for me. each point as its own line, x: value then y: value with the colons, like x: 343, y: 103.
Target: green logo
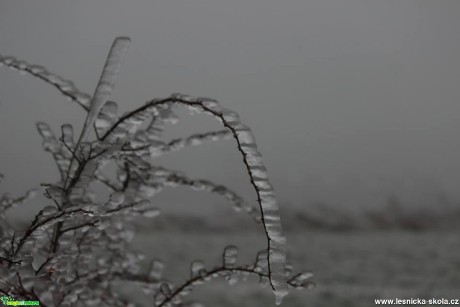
x: 9, y: 301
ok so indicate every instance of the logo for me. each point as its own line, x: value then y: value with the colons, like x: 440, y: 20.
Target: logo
x: 9, y: 301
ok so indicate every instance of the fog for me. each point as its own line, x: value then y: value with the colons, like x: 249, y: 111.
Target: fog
x: 351, y: 102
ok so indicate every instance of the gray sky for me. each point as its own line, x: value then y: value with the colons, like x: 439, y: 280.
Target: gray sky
x: 350, y: 101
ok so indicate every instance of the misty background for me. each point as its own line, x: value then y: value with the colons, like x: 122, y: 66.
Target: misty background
x: 354, y: 105
x: 352, y: 102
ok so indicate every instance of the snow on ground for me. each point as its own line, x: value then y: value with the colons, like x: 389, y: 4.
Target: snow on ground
x: 351, y: 268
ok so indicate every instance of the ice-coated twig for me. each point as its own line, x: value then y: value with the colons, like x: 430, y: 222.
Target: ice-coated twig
x: 106, y: 82
x: 195, y: 140
x: 45, y: 222
x: 157, y: 124
x: 154, y: 147
x: 66, y: 87
x: 229, y: 270
x: 51, y: 144
x: 8, y: 202
x: 156, y: 179
x: 256, y: 170
x: 171, y: 178
x: 104, y: 87
x: 78, y: 248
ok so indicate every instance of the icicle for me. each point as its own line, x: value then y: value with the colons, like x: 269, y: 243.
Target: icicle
x: 232, y: 278
x: 159, y: 117
x: 264, y: 281
x: 106, y: 118
x: 196, y: 268
x: 151, y: 212
x: 48, y: 210
x: 165, y: 289
x: 230, y: 255
x: 106, y: 82
x: 142, y: 205
x: 156, y: 269
x: 50, y: 143
x: 288, y: 269
x: 67, y: 134
x: 302, y: 280
x: 261, y: 265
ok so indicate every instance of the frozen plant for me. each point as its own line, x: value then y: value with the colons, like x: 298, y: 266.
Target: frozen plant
x: 76, y: 249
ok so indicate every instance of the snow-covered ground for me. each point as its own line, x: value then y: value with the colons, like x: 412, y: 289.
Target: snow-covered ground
x: 351, y: 268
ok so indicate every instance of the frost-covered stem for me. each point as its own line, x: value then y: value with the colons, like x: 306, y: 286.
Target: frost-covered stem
x: 195, y: 139
x: 124, y: 140
x: 210, y: 274
x: 65, y: 87
x: 202, y: 277
x: 104, y: 87
x: 35, y: 225
x: 55, y: 239
x: 134, y: 112
x: 29, y: 231
x: 10, y: 203
x: 92, y: 224
x: 121, y: 208
x: 54, y: 244
x: 43, y: 265
x: 174, y: 178
x: 252, y: 159
x: 181, y: 143
x: 106, y: 83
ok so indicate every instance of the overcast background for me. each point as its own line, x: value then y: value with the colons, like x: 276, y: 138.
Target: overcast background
x: 351, y: 102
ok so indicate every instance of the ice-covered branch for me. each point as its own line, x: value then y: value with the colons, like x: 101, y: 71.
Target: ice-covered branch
x: 66, y: 87
x: 74, y: 251
x: 43, y: 220
x: 103, y: 89
x: 106, y: 83
x: 8, y: 202
x: 171, y: 178
x: 194, y: 140
x: 232, y: 272
x: 253, y: 161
